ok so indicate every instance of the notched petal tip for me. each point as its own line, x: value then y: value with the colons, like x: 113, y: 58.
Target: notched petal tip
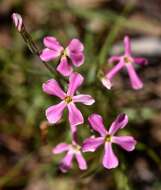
x: 75, y: 81
x: 75, y: 52
x: 121, y: 117
x: 75, y: 45
x: 52, y: 87
x: 64, y: 68
x: 119, y: 123
x: 126, y: 142
x: 53, y: 44
x: 96, y: 122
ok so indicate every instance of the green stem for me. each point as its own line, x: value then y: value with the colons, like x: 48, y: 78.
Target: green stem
x: 35, y: 50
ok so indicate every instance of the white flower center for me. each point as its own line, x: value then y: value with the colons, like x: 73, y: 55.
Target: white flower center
x: 76, y: 147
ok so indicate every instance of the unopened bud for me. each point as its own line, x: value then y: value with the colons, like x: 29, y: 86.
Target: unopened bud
x: 106, y: 82
x: 17, y: 20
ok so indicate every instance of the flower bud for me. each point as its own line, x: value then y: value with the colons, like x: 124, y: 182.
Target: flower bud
x: 17, y: 20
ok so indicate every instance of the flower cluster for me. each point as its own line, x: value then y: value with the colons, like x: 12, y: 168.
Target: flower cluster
x: 68, y: 58
x: 73, y: 55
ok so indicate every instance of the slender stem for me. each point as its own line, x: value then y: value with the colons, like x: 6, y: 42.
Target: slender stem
x: 33, y: 48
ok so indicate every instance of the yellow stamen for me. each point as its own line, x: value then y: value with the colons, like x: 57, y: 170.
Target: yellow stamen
x: 64, y: 53
x: 108, y: 138
x: 68, y: 99
x: 76, y: 147
x: 128, y: 59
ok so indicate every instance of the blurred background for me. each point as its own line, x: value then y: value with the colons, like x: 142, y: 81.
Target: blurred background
x: 26, y: 139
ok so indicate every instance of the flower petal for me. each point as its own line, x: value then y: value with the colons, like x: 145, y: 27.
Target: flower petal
x: 109, y: 159
x: 54, y: 113
x: 85, y: 99
x: 75, y: 52
x: 81, y: 161
x: 66, y: 163
x: 120, y: 122
x: 48, y: 54
x: 92, y: 143
x: 52, y: 43
x: 52, y: 87
x: 75, y: 46
x: 134, y: 78
x: 114, y: 59
x: 127, y: 45
x: 77, y: 59
x: 140, y: 61
x: 96, y: 123
x: 64, y: 67
x: 126, y: 142
x: 75, y: 116
x: 110, y: 74
x: 62, y: 147
x: 75, y: 82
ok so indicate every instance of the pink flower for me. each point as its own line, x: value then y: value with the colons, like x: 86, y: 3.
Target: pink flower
x: 126, y: 60
x: 54, y: 113
x: 107, y: 138
x: 73, y: 150
x: 17, y: 20
x: 72, y: 54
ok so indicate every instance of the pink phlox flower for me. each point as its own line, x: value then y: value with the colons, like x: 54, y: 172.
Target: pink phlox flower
x: 126, y: 60
x: 71, y: 55
x: 107, y: 138
x: 54, y: 113
x: 73, y: 150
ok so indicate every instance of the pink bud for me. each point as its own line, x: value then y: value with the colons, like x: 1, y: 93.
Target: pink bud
x: 18, y: 22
